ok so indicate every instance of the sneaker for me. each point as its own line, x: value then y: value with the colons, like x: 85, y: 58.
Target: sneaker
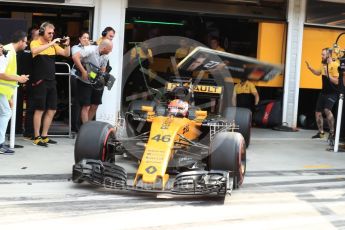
x: 318, y: 135
x: 38, y: 141
x: 331, y: 139
x: 48, y: 140
x: 6, y: 151
x: 331, y: 136
x: 29, y: 138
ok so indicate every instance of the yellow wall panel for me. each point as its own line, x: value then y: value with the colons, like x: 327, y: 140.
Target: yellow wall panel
x: 271, y: 48
x: 314, y: 40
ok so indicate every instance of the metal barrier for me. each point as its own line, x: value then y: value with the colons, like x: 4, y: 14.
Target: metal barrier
x: 70, y: 135
x: 338, y: 125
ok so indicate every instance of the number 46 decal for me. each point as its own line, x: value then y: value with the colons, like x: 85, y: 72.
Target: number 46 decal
x: 163, y: 138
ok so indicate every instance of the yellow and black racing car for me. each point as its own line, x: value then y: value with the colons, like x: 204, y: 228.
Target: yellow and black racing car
x: 191, y: 143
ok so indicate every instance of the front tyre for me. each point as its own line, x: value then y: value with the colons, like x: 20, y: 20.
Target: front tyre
x: 228, y: 153
x: 92, y: 141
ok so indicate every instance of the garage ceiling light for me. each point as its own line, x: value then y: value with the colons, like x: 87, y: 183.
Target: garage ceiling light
x: 158, y: 22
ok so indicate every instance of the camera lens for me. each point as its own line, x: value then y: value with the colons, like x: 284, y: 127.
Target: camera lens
x: 5, y: 52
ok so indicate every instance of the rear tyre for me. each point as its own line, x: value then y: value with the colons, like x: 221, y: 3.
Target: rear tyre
x: 228, y: 153
x: 92, y: 141
x: 242, y: 118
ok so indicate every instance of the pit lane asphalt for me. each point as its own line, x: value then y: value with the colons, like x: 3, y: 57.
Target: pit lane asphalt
x: 292, y: 182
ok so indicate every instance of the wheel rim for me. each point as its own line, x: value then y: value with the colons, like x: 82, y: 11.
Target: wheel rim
x: 105, y: 144
x: 241, y: 162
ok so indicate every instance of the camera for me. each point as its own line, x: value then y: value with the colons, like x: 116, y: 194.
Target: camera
x: 62, y: 40
x: 5, y: 52
x: 107, y: 80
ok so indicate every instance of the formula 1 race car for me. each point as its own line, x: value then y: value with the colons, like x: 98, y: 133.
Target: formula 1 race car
x: 178, y: 145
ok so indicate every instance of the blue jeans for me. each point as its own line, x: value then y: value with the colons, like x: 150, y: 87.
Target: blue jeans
x: 5, y: 115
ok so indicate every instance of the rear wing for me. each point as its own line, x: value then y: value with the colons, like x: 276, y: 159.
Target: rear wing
x: 238, y: 66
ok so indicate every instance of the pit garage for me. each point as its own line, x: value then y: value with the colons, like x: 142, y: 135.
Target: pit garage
x: 241, y: 27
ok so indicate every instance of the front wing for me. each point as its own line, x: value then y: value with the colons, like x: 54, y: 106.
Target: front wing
x: 109, y: 175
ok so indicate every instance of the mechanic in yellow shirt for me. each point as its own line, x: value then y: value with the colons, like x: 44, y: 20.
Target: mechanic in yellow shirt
x: 245, y: 95
x: 183, y: 51
x: 214, y: 44
x: 329, y: 94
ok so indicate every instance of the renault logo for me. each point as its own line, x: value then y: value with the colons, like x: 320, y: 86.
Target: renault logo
x: 151, y: 169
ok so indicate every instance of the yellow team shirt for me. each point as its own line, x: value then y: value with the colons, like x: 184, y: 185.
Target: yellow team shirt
x: 220, y: 49
x: 99, y: 40
x: 332, y: 69
x: 246, y: 87
x: 52, y: 50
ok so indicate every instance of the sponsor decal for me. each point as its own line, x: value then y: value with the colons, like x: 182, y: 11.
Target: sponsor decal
x: 166, y: 124
x: 151, y: 169
x: 198, y: 88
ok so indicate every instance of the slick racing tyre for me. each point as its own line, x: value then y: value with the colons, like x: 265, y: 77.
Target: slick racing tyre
x: 228, y: 153
x: 92, y: 141
x: 242, y: 118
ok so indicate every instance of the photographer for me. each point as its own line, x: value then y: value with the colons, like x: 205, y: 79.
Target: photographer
x: 89, y: 97
x: 8, y: 82
x: 44, y: 92
x: 329, y: 94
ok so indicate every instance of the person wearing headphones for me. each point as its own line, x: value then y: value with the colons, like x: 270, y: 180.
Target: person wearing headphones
x: 89, y: 97
x: 44, y: 92
x: 328, y: 95
x: 107, y: 33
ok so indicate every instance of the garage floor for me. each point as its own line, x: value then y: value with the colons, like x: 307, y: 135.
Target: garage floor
x: 269, y: 150
x: 292, y: 182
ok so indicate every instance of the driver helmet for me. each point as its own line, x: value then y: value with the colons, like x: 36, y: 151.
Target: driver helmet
x: 178, y: 108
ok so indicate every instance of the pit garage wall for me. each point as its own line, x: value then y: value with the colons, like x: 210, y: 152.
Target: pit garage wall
x: 296, y: 18
x: 111, y: 13
x: 271, y: 49
x: 314, y: 40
